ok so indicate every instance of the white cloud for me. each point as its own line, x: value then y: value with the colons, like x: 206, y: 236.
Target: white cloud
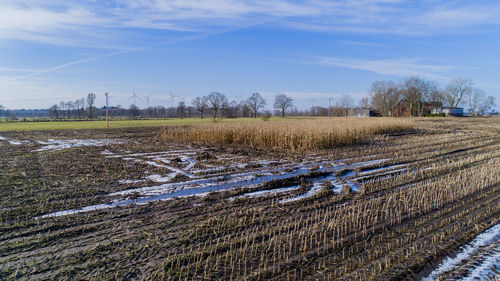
x: 462, y: 16
x: 396, y: 67
x: 104, y: 23
x: 117, y: 24
x: 363, y: 44
x: 37, y: 93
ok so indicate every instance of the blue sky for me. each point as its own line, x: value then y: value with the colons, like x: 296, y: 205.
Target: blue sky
x: 55, y: 50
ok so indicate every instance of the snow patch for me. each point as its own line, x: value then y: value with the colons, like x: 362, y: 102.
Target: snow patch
x: 265, y: 193
x: 130, y: 181
x: 159, y: 178
x: 489, y: 236
x: 315, y: 189
x: 483, y: 271
x: 55, y: 145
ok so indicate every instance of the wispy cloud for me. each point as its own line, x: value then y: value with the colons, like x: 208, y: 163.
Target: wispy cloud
x: 103, y: 23
x: 363, y: 44
x: 50, y: 69
x: 396, y: 67
x: 17, y: 70
x: 158, y: 44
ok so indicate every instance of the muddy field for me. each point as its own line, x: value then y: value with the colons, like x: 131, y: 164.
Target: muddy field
x: 125, y: 204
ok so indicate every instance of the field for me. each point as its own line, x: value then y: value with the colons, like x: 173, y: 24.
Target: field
x: 387, y: 200
x: 33, y: 125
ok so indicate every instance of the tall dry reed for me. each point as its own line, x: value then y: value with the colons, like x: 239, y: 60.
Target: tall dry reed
x: 309, y: 134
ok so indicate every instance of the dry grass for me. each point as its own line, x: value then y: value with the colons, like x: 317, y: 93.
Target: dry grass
x: 294, y: 135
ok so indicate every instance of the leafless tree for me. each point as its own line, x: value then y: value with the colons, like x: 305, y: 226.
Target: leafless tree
x: 76, y: 104
x: 81, y: 110
x: 385, y: 96
x: 416, y: 91
x: 282, y: 103
x: 364, y: 102
x: 62, y: 107
x: 69, y: 106
x: 216, y: 102
x: 90, y: 103
x: 224, y: 109
x: 53, y: 111
x: 133, y: 111
x: 181, y: 109
x: 200, y: 104
x: 255, y: 102
x: 456, y: 90
x: 474, y: 99
x: 437, y: 96
x: 345, y: 102
x: 487, y: 104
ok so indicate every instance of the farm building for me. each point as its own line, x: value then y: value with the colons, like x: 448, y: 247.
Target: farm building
x: 362, y: 112
x: 449, y: 111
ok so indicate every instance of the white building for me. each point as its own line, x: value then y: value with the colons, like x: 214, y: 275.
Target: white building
x: 448, y: 111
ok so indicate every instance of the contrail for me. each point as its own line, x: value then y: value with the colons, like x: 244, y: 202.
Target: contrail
x: 191, y: 38
x: 72, y: 63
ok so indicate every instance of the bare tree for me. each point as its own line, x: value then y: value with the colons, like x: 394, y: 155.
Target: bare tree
x: 90, y: 103
x: 76, y: 104
x: 345, y: 102
x: 62, y: 107
x: 200, y: 104
x: 487, y: 104
x: 225, y: 105
x: 415, y: 92
x: 364, y: 102
x: 282, y: 103
x: 69, y: 106
x: 385, y: 96
x: 53, y: 111
x: 437, y: 96
x: 133, y: 111
x: 181, y: 109
x: 456, y: 90
x: 255, y: 102
x: 474, y: 99
x: 216, y: 101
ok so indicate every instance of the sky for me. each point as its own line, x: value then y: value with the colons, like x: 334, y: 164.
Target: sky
x: 60, y: 50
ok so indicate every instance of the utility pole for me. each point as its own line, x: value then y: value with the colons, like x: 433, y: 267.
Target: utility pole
x: 107, y: 105
x: 330, y: 107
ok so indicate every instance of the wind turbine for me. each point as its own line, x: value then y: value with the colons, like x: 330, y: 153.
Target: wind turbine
x: 172, y: 98
x: 134, y: 96
x: 147, y: 99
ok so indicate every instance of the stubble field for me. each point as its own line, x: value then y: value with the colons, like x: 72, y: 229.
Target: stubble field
x: 168, y: 203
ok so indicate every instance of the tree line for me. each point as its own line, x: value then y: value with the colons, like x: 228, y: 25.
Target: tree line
x: 412, y: 96
x: 214, y: 105
x: 415, y: 96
